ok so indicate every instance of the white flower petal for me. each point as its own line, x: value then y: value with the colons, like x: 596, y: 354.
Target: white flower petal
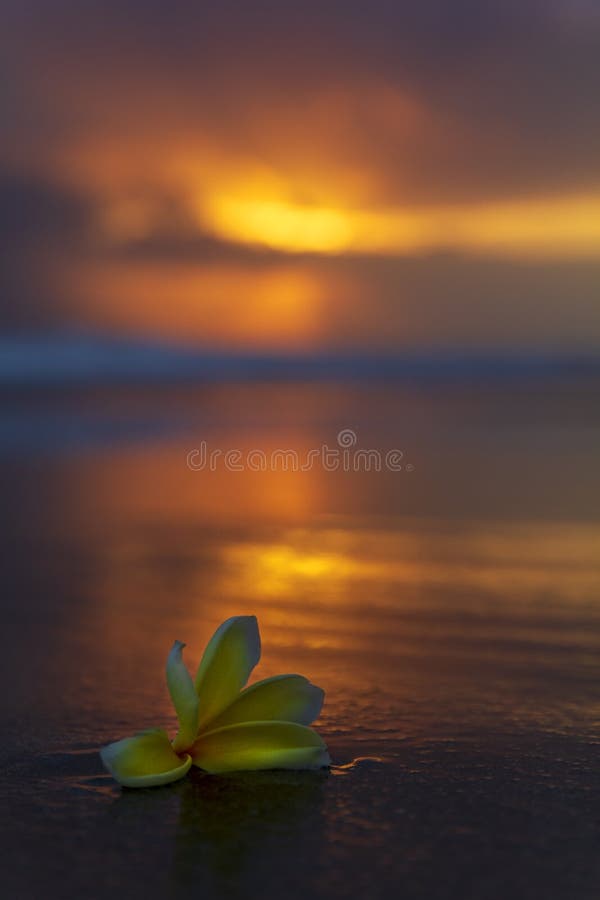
x: 228, y: 660
x: 286, y: 698
x: 145, y: 760
x: 260, y: 745
x: 184, y: 697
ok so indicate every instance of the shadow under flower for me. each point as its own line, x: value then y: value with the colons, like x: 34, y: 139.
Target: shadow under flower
x: 233, y: 828
x: 233, y: 833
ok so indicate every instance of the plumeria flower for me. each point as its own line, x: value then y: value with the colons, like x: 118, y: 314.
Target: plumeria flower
x: 223, y: 728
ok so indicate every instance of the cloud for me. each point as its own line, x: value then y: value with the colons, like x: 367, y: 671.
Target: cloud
x: 63, y: 268
x: 135, y: 135
x: 33, y: 211
x: 388, y: 101
x: 38, y: 222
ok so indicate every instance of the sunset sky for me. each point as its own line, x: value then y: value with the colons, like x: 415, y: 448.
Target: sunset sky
x: 278, y: 176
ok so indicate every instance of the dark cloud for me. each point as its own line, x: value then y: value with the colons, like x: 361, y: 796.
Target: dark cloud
x: 33, y: 212
x: 38, y: 221
x: 191, y: 248
x: 508, y: 89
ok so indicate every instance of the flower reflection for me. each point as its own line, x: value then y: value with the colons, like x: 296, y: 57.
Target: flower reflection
x: 226, y: 828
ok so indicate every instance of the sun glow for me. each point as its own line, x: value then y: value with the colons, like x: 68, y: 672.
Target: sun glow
x: 282, y: 226
x: 245, y: 203
x: 562, y: 226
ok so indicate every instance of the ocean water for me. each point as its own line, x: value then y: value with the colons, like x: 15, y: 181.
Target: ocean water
x: 450, y: 608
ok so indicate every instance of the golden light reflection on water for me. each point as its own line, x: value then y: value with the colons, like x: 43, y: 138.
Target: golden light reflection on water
x: 493, y: 561
x: 276, y: 569
x: 354, y: 583
x: 378, y: 622
x: 336, y: 595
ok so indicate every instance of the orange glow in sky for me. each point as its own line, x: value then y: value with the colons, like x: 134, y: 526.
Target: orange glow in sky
x: 361, y: 179
x: 264, y: 211
x: 563, y: 226
x: 238, y: 304
x: 280, y: 225
x: 201, y: 189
